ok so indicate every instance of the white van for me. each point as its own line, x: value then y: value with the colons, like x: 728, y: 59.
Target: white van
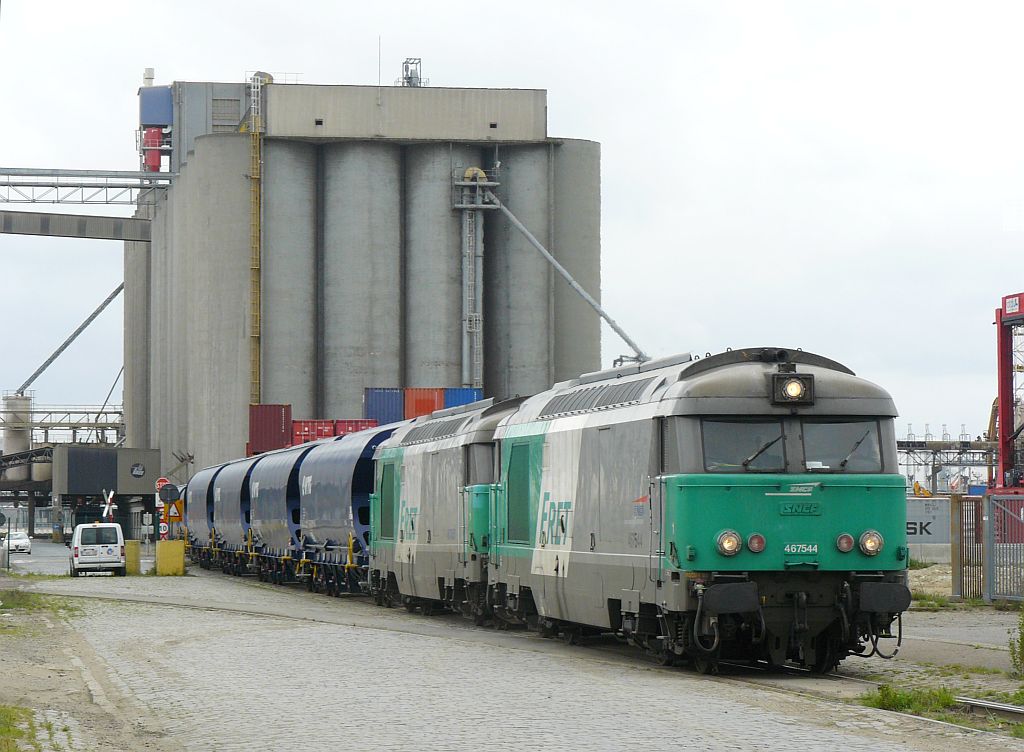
x: 97, y: 547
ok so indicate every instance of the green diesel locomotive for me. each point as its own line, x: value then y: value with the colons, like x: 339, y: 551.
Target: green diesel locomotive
x: 747, y: 505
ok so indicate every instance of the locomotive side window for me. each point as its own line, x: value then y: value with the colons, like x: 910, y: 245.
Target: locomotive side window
x: 842, y: 446
x: 387, y: 501
x: 518, y: 494
x: 479, y: 464
x: 734, y: 446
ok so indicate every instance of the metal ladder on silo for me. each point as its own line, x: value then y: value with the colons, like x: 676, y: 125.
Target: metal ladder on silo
x: 255, y: 235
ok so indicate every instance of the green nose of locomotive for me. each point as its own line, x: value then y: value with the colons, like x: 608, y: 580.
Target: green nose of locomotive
x: 764, y: 522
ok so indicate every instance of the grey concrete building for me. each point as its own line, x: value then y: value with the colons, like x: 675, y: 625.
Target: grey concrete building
x: 363, y: 269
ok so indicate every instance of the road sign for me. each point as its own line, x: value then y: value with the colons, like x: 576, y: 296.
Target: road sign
x: 169, y: 492
x: 163, y: 530
x: 174, y: 511
x: 160, y: 483
x: 147, y: 519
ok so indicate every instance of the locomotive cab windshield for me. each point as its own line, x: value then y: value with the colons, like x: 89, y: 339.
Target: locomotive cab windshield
x: 796, y: 445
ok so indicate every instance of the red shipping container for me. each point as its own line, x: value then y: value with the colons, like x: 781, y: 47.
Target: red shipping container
x: 419, y: 401
x: 324, y: 428
x: 303, y: 431
x: 343, y: 427
x: 270, y: 427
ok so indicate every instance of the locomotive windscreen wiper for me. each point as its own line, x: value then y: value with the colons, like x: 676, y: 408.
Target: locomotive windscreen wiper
x: 761, y: 451
x: 856, y: 446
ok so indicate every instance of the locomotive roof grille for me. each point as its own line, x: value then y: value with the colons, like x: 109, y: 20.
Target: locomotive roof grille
x: 433, y: 430
x: 596, y: 398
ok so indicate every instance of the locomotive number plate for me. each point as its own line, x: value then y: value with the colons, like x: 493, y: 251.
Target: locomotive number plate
x: 801, y: 548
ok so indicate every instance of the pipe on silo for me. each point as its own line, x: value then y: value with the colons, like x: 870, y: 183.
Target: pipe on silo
x: 434, y: 271
x: 289, y: 295
x: 362, y: 273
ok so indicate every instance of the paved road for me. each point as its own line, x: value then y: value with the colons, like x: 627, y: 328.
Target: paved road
x: 52, y: 558
x: 354, y: 675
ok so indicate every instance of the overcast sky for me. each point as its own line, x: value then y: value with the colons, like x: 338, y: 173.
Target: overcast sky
x: 844, y: 177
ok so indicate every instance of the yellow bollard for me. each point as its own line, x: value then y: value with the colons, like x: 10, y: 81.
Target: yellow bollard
x: 131, y: 556
x: 170, y: 558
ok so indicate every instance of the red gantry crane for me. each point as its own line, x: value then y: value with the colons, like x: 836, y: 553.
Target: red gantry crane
x: 1010, y: 369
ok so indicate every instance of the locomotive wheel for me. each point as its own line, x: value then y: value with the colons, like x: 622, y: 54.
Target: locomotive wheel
x: 706, y: 664
x: 410, y: 605
x: 826, y: 655
x: 548, y: 629
x: 571, y: 636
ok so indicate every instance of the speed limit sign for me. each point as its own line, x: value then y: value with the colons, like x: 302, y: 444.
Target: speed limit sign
x: 163, y: 530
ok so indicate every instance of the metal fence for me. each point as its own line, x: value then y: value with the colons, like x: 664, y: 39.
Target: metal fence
x: 987, y: 547
x: 1004, y: 555
x: 967, y: 549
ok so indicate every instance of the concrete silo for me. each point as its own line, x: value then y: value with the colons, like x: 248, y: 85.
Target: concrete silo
x: 362, y: 272
x: 577, y: 232
x: 137, y: 301
x: 517, y: 290
x: 363, y: 255
x: 289, y: 275
x: 17, y: 431
x: 433, y: 263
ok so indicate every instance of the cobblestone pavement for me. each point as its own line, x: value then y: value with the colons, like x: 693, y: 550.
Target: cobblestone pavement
x: 380, y: 680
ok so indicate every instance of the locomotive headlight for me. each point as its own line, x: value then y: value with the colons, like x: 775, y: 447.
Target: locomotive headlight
x: 845, y: 543
x: 729, y: 543
x: 871, y: 543
x: 794, y: 389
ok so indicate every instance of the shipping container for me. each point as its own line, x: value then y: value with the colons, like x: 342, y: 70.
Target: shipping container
x: 270, y: 427
x: 344, y: 427
x: 422, y: 401
x: 384, y: 405
x: 324, y: 428
x: 303, y: 431
x: 456, y: 396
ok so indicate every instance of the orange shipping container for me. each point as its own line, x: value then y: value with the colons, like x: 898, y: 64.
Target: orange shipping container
x: 419, y: 401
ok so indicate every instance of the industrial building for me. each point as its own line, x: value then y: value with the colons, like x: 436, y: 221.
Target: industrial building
x: 316, y: 241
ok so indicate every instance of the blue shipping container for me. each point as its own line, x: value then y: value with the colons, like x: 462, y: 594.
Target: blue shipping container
x: 384, y: 405
x: 455, y: 396
x: 156, y: 106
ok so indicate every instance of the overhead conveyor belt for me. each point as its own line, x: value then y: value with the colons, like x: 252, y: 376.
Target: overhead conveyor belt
x: 74, y: 226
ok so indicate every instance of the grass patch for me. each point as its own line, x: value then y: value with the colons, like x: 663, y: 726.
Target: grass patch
x: 915, y: 564
x: 22, y: 600
x: 33, y: 576
x: 915, y: 701
x: 928, y: 601
x: 17, y: 728
x: 1017, y: 731
x: 952, y: 669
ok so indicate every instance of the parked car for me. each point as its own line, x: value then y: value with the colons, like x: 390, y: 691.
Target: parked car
x: 97, y: 547
x: 20, y: 543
